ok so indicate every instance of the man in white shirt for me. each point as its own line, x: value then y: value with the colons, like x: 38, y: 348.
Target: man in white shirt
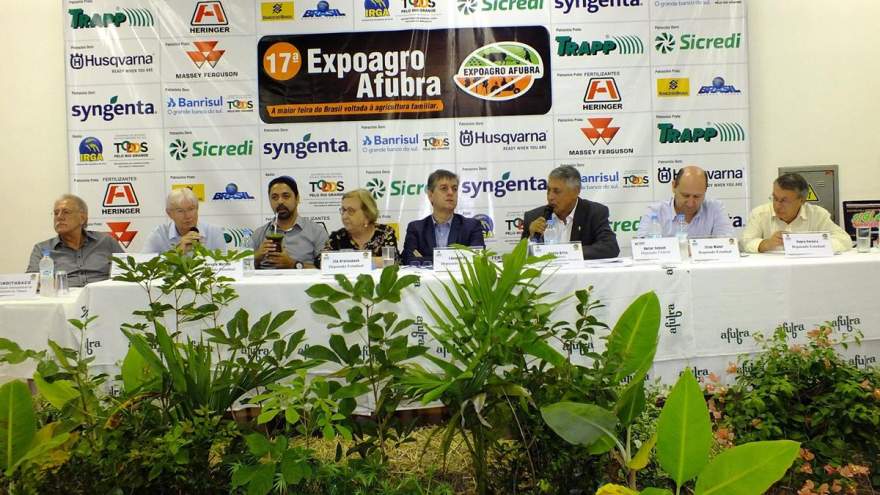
x: 788, y: 211
x: 184, y: 230
x: 702, y: 217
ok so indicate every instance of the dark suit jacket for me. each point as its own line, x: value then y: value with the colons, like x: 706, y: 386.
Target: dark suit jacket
x: 420, y: 237
x: 590, y: 227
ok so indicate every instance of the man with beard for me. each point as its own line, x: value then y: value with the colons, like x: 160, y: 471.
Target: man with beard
x: 289, y: 241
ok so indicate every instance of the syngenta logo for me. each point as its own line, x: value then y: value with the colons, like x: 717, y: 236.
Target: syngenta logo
x: 625, y: 45
x: 500, y: 188
x: 302, y: 149
x: 109, y: 111
x: 593, y: 6
x: 469, y: 138
x: 725, y: 131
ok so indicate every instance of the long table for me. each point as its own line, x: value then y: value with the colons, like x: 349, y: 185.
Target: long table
x: 711, y: 312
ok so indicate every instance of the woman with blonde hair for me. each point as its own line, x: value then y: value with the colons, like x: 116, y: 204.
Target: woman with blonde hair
x: 360, y: 230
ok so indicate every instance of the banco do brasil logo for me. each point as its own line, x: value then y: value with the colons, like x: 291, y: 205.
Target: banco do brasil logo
x: 500, y: 71
x: 664, y: 42
x: 231, y: 192
x: 178, y: 149
x: 376, y: 187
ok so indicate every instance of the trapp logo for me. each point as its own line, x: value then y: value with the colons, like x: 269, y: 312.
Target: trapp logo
x: 205, y: 53
x: 377, y: 8
x: 601, y: 129
x: 133, y: 17
x: 376, y: 187
x: 238, y: 237
x: 624, y: 45
x: 120, y: 232
x: 91, y: 150
x: 500, y: 71
x: 120, y: 194
x: 602, y: 94
x: 209, y: 17
x: 725, y: 131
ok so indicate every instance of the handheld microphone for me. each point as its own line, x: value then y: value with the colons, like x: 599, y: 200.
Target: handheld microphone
x: 548, y: 214
x: 194, y: 229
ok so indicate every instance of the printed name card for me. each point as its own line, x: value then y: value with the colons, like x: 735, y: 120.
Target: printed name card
x: 656, y: 249
x: 227, y: 268
x: 807, y: 244
x: 447, y: 260
x: 568, y: 254
x: 714, y: 249
x: 346, y: 262
x: 18, y: 285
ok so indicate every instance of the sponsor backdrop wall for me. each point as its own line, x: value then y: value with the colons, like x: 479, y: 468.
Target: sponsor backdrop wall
x: 223, y: 96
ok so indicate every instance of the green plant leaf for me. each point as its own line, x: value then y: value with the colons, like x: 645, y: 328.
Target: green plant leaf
x: 353, y: 391
x: 747, y: 469
x: 579, y: 424
x: 322, y: 307
x: 633, y: 341
x: 136, y: 373
x: 684, y: 432
x: 655, y: 491
x: 321, y: 353
x: 631, y: 402
x: 17, y: 423
x: 640, y: 460
x: 544, y: 351
x: 257, y: 444
x: 58, y: 393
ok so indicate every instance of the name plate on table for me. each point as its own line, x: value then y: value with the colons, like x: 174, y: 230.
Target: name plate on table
x: 568, y: 254
x: 447, y: 260
x: 656, y: 249
x: 346, y: 262
x: 234, y: 269
x: 807, y: 244
x: 714, y: 249
x: 18, y: 285
x: 115, y: 269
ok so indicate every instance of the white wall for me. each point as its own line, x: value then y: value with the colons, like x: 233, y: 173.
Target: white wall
x: 814, y: 96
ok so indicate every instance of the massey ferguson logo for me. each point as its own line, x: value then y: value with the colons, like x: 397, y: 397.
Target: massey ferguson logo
x: 601, y: 129
x: 205, y: 53
x: 120, y: 232
x: 732, y: 335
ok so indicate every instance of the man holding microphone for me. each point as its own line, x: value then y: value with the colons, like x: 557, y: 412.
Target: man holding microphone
x: 184, y: 230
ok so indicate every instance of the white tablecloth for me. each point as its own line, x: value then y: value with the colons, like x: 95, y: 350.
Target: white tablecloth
x: 711, y: 311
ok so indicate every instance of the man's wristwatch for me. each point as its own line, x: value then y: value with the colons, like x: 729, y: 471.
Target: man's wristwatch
x: 299, y: 265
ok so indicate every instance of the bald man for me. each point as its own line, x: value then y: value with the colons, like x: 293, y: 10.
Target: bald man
x: 704, y: 217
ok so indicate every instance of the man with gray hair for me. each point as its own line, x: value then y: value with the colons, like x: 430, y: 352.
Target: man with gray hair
x: 184, y: 230
x: 788, y: 211
x: 83, y: 254
x: 579, y: 220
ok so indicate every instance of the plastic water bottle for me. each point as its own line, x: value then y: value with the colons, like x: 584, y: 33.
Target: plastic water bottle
x: 655, y: 231
x: 551, y: 236
x: 681, y: 232
x: 47, y: 275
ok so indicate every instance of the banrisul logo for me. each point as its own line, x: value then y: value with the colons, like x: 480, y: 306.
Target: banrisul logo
x: 666, y: 42
x: 111, y: 110
x: 500, y: 71
x: 305, y: 147
x: 593, y: 6
x: 468, y: 7
x: 724, y: 131
x: 80, y: 19
x: 503, y: 186
x: 623, y: 45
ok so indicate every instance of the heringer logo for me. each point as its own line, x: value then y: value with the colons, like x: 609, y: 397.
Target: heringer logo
x: 602, y: 94
x: 120, y: 232
x: 120, y: 199
x: 500, y: 71
x: 209, y: 18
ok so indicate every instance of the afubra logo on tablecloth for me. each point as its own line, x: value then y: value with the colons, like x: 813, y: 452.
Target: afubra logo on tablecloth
x: 863, y: 361
x: 672, y: 319
x: 736, y: 335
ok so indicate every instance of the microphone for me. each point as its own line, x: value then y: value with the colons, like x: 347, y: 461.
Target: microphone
x: 548, y: 214
x: 196, y: 230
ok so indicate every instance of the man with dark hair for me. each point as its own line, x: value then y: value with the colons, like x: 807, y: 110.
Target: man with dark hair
x: 788, y: 211
x: 583, y: 220
x: 443, y: 227
x: 288, y: 241
x: 703, y: 217
x: 83, y: 254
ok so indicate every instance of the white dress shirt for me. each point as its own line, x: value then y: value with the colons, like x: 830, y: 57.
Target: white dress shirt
x: 763, y: 223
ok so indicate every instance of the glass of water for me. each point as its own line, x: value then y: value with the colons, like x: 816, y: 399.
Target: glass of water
x: 62, y: 288
x: 863, y: 239
x: 389, y: 255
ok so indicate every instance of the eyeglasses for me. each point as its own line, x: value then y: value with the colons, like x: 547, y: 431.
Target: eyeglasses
x: 350, y: 211
x: 182, y: 211
x: 63, y: 213
x: 781, y: 202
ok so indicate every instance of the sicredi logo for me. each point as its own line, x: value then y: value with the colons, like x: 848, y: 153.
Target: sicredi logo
x: 302, y: 149
x: 180, y: 149
x: 602, y: 94
x: 111, y: 110
x: 139, y: 17
x: 665, y: 42
x: 625, y: 45
x: 91, y: 150
x: 593, y: 6
x: 468, y: 7
x: 502, y: 187
x: 726, y: 131
x: 209, y: 17
x: 500, y: 71
x: 80, y: 61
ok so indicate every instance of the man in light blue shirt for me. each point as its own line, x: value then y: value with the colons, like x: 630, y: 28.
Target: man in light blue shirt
x: 704, y: 217
x: 184, y: 230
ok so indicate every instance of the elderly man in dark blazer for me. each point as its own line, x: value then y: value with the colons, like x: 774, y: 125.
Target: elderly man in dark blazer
x: 583, y: 221
x: 443, y: 227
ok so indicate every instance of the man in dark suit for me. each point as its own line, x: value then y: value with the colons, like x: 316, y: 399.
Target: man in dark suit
x: 443, y: 227
x: 579, y: 220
